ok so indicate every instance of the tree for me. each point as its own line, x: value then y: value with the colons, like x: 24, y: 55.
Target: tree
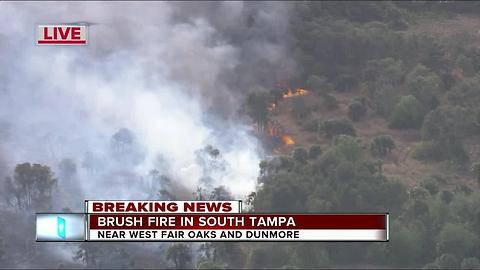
x: 335, y: 127
x: 446, y: 196
x: 314, y: 151
x: 122, y: 140
x: 257, y: 108
x: 92, y: 162
x: 300, y: 155
x: 404, y: 249
x: 456, y: 239
x: 31, y: 186
x: 88, y: 254
x: 431, y: 185
x: 329, y: 102
x: 449, y: 122
x: 282, y: 192
x: 445, y: 128
x: 221, y: 193
x: 67, y: 168
x: 425, y: 85
x: 382, y: 145
x: 345, y: 171
x: 407, y: 114
x: 356, y: 111
x: 346, y: 147
x: 382, y: 80
x: 180, y: 254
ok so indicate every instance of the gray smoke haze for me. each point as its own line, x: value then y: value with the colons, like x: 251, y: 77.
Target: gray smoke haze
x: 174, y: 74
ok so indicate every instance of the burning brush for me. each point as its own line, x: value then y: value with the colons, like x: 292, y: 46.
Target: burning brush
x: 297, y: 92
x: 275, y: 130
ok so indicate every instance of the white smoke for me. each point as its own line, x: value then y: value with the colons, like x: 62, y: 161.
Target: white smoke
x: 145, y: 69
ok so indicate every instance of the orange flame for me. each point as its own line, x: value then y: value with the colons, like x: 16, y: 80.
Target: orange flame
x: 297, y: 92
x: 287, y: 140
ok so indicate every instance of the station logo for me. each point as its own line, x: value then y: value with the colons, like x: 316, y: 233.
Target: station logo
x: 61, y: 227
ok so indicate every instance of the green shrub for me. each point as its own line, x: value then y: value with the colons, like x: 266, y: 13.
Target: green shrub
x: 346, y: 147
x: 329, y: 102
x: 314, y: 151
x: 407, y: 114
x: 356, y: 111
x: 335, y: 127
x: 300, y: 155
x: 382, y: 145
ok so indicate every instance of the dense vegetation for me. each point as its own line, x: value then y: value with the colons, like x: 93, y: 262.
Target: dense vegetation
x: 414, y: 81
x: 418, y: 82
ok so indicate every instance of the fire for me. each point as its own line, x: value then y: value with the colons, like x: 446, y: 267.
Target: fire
x: 297, y: 92
x: 287, y: 140
x: 272, y: 107
x: 274, y: 129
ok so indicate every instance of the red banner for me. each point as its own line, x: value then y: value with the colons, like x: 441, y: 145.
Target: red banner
x: 236, y: 221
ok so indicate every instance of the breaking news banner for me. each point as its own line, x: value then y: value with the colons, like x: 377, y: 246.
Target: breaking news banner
x: 118, y: 206
x: 203, y: 221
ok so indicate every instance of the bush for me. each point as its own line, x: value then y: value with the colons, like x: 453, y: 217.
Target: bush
x: 345, y: 171
x: 425, y: 85
x: 346, y: 147
x: 318, y: 84
x: 344, y: 83
x: 330, y: 102
x: 300, y: 155
x: 446, y: 196
x: 431, y: 185
x: 382, y: 145
x: 314, y: 151
x: 407, y: 114
x: 356, y: 111
x: 452, y: 150
x: 455, y: 238
x: 334, y: 127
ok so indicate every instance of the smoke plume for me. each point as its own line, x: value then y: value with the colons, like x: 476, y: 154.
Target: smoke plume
x: 173, y: 75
